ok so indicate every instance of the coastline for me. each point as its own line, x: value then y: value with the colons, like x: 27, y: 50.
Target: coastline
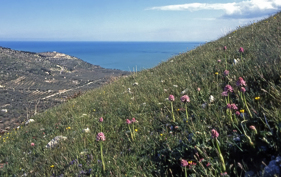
x: 34, y: 82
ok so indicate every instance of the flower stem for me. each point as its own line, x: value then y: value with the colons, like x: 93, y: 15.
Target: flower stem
x: 186, y: 112
x: 247, y: 106
x: 101, y: 153
x: 185, y: 171
x: 172, y: 108
x: 220, y: 155
x: 225, y: 62
x: 131, y: 133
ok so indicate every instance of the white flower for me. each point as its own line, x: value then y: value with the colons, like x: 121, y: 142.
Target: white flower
x: 135, y: 83
x: 211, y: 98
x: 162, y: 81
x: 29, y: 121
x: 165, y: 90
x: 55, y: 141
x: 184, y: 91
x: 175, y: 85
x: 87, y: 130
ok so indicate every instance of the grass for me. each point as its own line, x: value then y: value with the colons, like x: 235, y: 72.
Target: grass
x: 155, y: 145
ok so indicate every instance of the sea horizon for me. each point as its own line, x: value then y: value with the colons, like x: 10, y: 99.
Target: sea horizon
x: 122, y: 55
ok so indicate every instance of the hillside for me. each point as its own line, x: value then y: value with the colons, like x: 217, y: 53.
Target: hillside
x: 33, y: 82
x: 213, y: 111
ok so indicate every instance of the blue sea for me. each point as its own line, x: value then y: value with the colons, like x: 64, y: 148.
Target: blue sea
x: 127, y: 56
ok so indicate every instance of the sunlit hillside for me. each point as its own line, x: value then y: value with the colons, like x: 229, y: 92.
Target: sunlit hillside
x: 228, y: 124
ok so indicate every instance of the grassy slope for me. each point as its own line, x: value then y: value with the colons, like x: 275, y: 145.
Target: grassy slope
x: 157, y: 149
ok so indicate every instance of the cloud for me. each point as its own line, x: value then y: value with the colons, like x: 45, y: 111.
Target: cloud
x: 244, y: 9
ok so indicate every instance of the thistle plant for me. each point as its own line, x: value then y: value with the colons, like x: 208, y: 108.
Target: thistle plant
x: 172, y: 99
x: 132, y: 131
x: 215, y: 136
x: 101, y: 120
x: 184, y: 163
x: 185, y: 99
x: 241, y: 50
x: 101, y: 138
x: 241, y: 83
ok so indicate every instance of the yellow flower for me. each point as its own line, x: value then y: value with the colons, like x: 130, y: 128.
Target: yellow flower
x: 136, y: 130
x: 68, y: 128
x: 94, y: 110
x: 189, y: 162
x: 52, y: 166
x: 216, y: 73
x: 257, y: 98
x: 161, y: 134
x: 242, y: 111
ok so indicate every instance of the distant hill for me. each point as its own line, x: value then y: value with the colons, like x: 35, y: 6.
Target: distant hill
x: 30, y: 81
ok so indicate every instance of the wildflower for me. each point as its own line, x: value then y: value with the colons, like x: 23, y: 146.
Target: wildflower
x: 171, y: 98
x: 211, y: 98
x: 198, y: 89
x: 208, y: 164
x: 100, y: 136
x: 133, y: 120
x: 219, y: 61
x: 254, y: 129
x: 224, y: 174
x: 242, y: 111
x: 128, y: 121
x: 136, y: 130
x: 161, y: 134
x: 87, y: 130
x: 233, y: 106
x: 228, y: 106
x: 241, y: 50
x: 214, y: 133
x: 228, y: 88
x: 226, y: 72
x: 237, y: 113
x: 32, y: 144
x: 185, y: 99
x: 224, y: 93
x: 184, y: 163
x: 243, y: 89
x: 216, y: 73
x: 257, y: 98
x: 241, y: 82
x: 101, y: 119
x: 52, y: 166
x: 235, y: 61
x: 224, y: 48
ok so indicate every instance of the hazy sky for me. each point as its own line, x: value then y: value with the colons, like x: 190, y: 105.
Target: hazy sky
x: 128, y: 20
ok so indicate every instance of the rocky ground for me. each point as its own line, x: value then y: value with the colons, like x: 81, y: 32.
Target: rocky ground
x: 33, y: 82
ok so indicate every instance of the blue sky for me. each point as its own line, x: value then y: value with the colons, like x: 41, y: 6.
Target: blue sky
x: 128, y: 20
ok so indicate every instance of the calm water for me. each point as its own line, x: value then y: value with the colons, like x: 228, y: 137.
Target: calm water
x: 115, y: 55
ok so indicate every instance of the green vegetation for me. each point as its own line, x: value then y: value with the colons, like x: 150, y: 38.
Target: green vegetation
x: 155, y: 145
